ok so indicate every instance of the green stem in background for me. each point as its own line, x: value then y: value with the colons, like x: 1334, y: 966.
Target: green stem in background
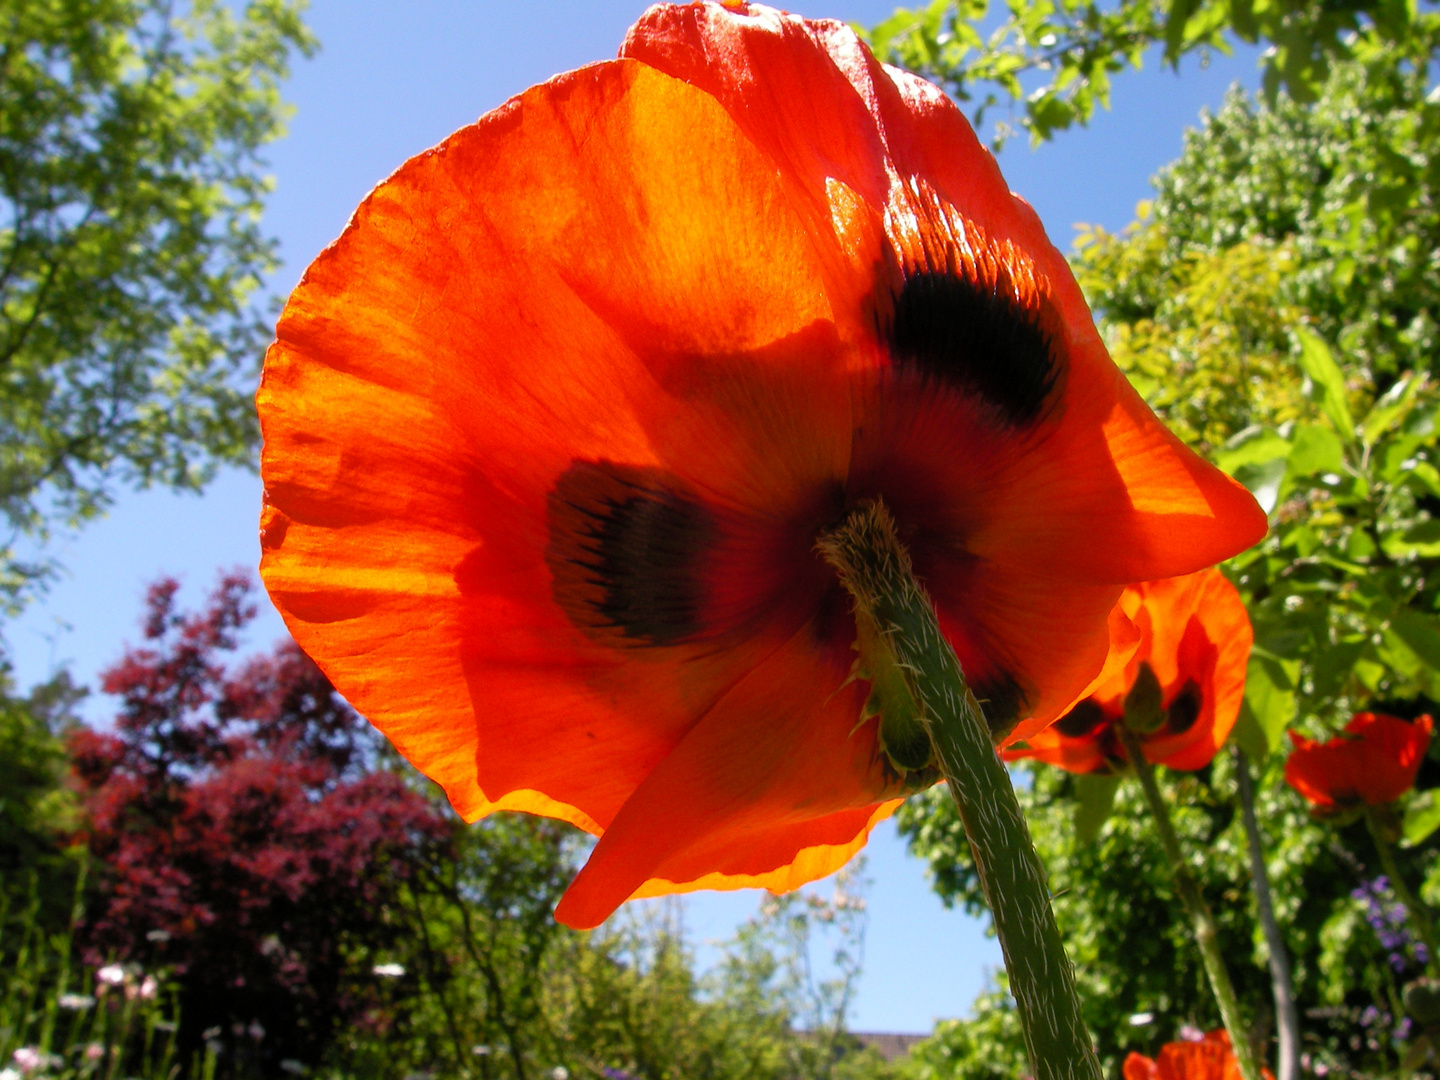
x: 1202, y: 922
x: 1287, y: 1016
x: 907, y: 653
x: 1417, y: 913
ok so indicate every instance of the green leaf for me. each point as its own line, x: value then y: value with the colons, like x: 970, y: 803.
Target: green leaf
x: 1263, y: 481
x: 1250, y: 737
x: 1269, y: 703
x: 1319, y: 364
x: 1422, y: 538
x: 1422, y: 817
x: 1175, y: 21
x: 1389, y: 408
x: 1419, y: 632
x: 1316, y: 450
x: 1094, y: 799
x: 1253, y: 446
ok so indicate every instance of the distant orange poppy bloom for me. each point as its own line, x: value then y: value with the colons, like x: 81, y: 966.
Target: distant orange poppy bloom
x: 551, y: 430
x: 1374, y: 761
x: 1196, y: 636
x: 1210, y: 1058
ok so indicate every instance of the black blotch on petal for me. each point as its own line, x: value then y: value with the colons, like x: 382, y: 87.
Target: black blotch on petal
x: 1081, y: 721
x: 1184, y: 709
x: 1001, y: 699
x: 626, y: 550
x: 976, y: 338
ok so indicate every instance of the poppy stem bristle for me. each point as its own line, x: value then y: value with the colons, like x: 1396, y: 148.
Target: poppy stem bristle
x: 894, y: 615
x: 1202, y: 922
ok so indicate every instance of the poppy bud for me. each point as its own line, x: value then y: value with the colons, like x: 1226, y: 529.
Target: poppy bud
x: 1143, y: 712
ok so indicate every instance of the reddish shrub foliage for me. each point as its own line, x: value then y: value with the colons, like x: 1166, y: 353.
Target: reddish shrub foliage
x: 248, y: 837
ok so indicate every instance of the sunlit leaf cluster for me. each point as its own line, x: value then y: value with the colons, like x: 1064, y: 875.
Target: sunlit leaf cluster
x: 130, y: 245
x: 1050, y: 63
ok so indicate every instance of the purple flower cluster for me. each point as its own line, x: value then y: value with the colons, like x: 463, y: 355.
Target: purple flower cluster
x: 1387, y: 917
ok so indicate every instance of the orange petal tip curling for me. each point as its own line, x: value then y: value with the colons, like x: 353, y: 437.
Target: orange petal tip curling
x: 551, y: 430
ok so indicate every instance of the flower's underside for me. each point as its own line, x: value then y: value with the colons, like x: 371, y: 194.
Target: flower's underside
x: 1195, y: 635
x: 551, y: 430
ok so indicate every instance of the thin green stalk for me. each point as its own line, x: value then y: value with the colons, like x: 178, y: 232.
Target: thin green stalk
x: 897, y: 623
x: 1417, y: 913
x: 1287, y: 1016
x: 1202, y: 921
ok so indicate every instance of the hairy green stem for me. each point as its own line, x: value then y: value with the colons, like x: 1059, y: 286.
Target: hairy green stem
x: 1287, y: 1016
x: 896, y: 616
x: 1202, y: 922
x: 1416, y: 912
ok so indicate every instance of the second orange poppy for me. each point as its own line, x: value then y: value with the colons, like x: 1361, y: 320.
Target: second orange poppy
x: 1195, y: 635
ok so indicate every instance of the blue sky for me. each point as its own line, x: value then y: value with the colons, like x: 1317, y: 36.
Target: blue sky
x: 396, y: 76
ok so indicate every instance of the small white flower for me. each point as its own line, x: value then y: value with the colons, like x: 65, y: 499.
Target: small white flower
x: 75, y: 1002
x: 111, y: 975
x: 27, y: 1059
x: 1141, y: 1019
x: 293, y: 1067
x: 560, y: 1072
x: 160, y: 936
x: 389, y: 971
x: 94, y: 1052
x: 148, y: 988
x: 8, y: 1073
x: 480, y: 1051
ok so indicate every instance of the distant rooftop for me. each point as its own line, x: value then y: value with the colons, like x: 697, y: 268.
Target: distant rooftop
x: 890, y: 1045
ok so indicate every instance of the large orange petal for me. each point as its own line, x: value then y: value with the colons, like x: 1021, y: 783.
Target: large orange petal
x: 567, y: 241
x: 776, y: 767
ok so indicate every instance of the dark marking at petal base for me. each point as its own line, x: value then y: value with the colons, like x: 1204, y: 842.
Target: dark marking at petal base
x: 626, y: 550
x: 1184, y: 709
x: 1001, y: 699
x: 1081, y: 721
x: 976, y: 338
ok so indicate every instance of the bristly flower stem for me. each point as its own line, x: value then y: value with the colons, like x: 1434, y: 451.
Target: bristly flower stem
x: 1202, y: 922
x: 895, y: 614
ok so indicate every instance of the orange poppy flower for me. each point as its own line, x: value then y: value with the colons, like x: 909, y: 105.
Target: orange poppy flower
x: 1374, y: 761
x: 1196, y: 637
x: 551, y: 430
x: 1209, y: 1058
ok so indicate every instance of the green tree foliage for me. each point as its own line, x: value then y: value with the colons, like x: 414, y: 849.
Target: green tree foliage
x: 130, y: 192
x: 1055, y: 58
x: 1340, y: 197
x: 38, y: 813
